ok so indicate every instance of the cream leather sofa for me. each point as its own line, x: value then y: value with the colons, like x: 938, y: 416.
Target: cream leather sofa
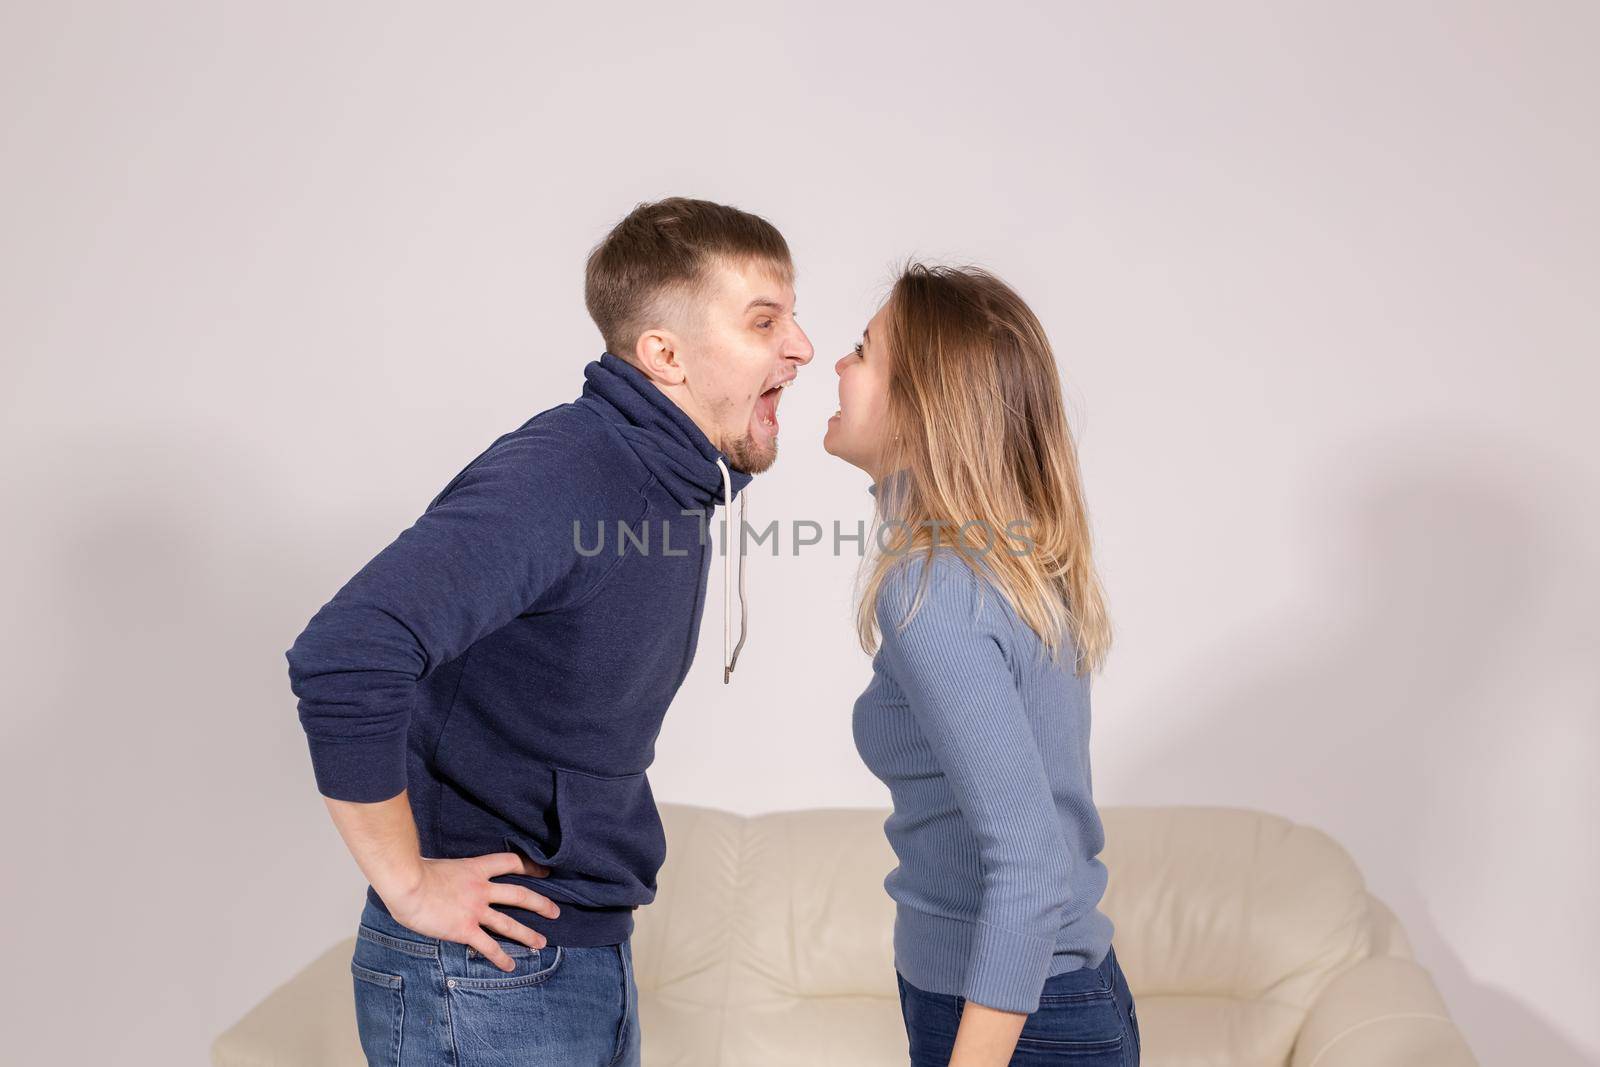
x: 1249, y: 941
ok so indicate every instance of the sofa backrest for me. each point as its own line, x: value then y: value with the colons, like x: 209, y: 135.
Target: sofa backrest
x: 773, y: 907
x: 1215, y: 902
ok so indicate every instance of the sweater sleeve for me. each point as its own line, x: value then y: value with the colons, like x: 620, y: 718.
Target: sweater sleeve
x: 497, y: 537
x: 950, y: 660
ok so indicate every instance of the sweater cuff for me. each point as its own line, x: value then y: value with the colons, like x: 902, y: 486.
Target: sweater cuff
x: 1007, y: 970
x: 365, y: 771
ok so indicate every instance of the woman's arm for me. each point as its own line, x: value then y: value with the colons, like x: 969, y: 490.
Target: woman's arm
x: 986, y: 1037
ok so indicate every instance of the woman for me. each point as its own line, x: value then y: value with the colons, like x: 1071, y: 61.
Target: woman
x: 982, y: 600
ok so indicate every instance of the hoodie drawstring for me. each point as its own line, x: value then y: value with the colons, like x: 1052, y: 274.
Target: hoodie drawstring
x: 731, y: 658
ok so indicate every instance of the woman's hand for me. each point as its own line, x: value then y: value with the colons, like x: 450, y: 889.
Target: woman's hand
x: 986, y: 1037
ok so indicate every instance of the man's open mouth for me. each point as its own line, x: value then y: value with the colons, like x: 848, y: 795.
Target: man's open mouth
x: 767, y: 406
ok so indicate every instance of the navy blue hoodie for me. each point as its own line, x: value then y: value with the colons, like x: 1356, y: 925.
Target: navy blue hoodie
x: 513, y: 677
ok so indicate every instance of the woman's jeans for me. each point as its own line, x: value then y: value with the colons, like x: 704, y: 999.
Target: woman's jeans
x: 423, y: 1002
x: 1085, y: 1018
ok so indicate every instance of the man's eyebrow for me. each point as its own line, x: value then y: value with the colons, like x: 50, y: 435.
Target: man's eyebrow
x: 763, y: 302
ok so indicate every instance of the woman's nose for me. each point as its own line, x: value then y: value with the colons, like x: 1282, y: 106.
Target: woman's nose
x: 838, y: 368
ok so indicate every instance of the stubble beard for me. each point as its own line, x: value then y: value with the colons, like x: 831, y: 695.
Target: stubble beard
x: 746, y: 456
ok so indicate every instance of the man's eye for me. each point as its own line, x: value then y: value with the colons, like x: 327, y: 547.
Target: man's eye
x: 764, y: 323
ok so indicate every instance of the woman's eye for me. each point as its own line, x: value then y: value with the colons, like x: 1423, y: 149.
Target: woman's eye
x: 858, y: 350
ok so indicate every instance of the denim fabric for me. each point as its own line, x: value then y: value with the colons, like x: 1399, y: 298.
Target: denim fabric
x: 423, y: 1002
x: 1085, y: 1018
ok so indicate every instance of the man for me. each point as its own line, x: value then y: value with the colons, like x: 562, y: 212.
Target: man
x: 482, y: 699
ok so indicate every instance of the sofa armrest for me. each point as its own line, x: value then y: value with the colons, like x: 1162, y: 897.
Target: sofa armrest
x: 1383, y: 1012
x: 1388, y: 936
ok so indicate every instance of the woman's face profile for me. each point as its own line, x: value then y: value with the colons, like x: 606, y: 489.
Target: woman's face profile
x: 858, y: 432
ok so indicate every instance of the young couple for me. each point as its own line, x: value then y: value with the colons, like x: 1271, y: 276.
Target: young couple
x: 482, y: 699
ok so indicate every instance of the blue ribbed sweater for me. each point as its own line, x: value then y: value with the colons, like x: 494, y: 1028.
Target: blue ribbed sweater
x: 984, y: 745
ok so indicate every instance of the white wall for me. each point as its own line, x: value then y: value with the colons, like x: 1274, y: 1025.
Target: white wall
x: 1323, y: 288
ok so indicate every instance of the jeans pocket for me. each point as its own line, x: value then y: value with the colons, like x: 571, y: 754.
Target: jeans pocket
x: 1083, y: 983
x: 1086, y: 1025
x: 380, y: 1014
x: 530, y: 967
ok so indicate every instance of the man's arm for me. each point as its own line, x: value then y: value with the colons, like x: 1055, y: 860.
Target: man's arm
x: 483, y: 553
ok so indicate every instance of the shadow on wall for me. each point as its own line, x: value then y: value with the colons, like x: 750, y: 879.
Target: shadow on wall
x: 152, y: 731
x: 1411, y: 713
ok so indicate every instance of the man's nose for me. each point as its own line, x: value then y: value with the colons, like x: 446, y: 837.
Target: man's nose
x: 800, y: 349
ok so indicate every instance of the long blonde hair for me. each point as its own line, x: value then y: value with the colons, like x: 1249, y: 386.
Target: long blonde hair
x: 979, y: 439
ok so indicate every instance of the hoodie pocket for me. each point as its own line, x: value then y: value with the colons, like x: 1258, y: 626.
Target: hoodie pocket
x: 600, y: 835
x: 611, y: 840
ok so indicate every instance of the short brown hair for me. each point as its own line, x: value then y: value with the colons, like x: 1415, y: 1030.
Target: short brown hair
x: 663, y: 251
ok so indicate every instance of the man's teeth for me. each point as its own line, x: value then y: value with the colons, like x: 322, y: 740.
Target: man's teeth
x: 768, y: 421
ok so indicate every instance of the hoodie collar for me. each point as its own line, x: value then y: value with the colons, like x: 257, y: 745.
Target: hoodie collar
x: 661, y: 434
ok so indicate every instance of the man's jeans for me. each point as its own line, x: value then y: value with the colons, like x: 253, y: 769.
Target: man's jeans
x: 423, y: 1002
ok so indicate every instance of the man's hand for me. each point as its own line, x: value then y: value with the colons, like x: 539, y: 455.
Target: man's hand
x: 450, y: 900
x: 447, y: 899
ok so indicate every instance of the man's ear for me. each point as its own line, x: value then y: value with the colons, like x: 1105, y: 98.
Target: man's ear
x: 657, y: 354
